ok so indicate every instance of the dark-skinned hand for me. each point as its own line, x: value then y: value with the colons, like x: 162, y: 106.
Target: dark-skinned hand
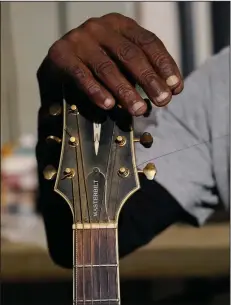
x: 93, y: 54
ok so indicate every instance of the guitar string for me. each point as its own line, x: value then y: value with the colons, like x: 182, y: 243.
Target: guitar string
x: 106, y: 210
x: 178, y: 150
x: 76, y: 230
x: 113, y: 168
x: 83, y: 230
x: 112, y: 171
x: 90, y: 230
x: 75, y: 220
x: 117, y: 274
x: 184, y: 148
x: 75, y: 250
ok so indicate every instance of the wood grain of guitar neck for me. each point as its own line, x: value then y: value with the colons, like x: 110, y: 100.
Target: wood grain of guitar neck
x: 95, y: 267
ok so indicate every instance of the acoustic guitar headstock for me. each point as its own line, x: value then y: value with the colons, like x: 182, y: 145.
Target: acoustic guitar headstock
x: 97, y: 170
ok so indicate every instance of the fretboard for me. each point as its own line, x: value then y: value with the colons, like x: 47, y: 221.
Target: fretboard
x: 95, y: 271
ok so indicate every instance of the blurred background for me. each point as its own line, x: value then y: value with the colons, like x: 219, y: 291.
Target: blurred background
x: 183, y: 265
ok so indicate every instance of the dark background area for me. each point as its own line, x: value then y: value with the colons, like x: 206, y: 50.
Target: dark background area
x: 194, y: 291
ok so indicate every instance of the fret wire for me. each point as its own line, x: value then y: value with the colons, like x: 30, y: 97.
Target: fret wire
x: 98, y: 300
x: 107, y: 268
x: 88, y: 266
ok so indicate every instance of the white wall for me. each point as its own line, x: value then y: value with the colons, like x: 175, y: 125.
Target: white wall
x: 161, y: 19
x: 33, y: 27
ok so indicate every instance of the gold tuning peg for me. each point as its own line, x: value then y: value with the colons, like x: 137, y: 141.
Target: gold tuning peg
x: 150, y: 171
x: 146, y: 140
x: 55, y: 109
x: 49, y: 172
x: 52, y: 139
x: 73, y: 109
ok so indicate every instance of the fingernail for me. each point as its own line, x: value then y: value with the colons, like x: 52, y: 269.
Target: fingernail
x: 172, y: 80
x: 138, y: 108
x: 108, y: 103
x: 162, y: 97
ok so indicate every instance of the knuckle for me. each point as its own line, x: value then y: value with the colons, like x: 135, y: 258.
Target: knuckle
x: 92, y: 87
x: 125, y: 92
x: 127, y: 51
x: 79, y: 73
x: 117, y: 17
x: 146, y: 76
x: 55, y: 51
x: 73, y: 35
x: 92, y: 25
x: 104, y: 68
x: 113, y: 17
x: 144, y: 37
x: 162, y: 61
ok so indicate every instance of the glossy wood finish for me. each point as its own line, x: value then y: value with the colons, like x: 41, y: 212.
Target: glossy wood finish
x: 96, y: 175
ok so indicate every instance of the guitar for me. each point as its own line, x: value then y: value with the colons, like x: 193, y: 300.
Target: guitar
x: 96, y: 175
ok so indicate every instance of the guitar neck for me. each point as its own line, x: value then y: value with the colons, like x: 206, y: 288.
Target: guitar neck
x: 95, y: 270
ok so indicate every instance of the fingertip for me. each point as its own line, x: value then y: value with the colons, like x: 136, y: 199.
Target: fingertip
x: 109, y: 103
x: 178, y: 89
x: 138, y: 108
x: 163, y: 99
x: 172, y: 81
x: 175, y: 84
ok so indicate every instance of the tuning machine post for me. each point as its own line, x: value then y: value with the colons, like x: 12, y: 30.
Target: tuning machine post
x: 53, y: 139
x: 55, y: 110
x: 68, y: 173
x: 49, y: 172
x: 73, y: 110
x: 73, y: 141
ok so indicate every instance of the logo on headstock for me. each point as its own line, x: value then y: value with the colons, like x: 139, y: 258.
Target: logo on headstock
x: 97, y: 130
x: 95, y: 197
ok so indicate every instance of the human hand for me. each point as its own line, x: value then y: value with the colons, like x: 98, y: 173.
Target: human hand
x: 93, y: 53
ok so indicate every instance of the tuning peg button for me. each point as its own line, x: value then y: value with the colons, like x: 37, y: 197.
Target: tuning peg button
x: 49, y: 172
x: 150, y: 171
x: 68, y: 173
x: 73, y: 109
x: 146, y: 140
x: 53, y: 139
x: 55, y: 110
x: 123, y: 172
x: 120, y: 140
x: 73, y: 141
